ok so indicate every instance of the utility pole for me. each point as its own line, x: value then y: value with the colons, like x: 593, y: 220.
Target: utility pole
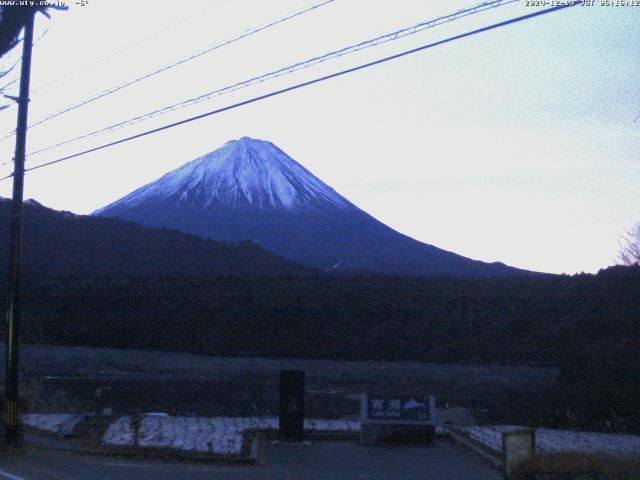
x: 15, y: 239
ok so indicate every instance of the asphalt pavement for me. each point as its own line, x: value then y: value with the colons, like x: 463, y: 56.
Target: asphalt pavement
x: 318, y: 461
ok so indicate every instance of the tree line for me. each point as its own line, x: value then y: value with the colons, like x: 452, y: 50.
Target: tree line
x: 588, y: 325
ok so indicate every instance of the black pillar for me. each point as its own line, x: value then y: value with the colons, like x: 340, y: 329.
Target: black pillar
x: 291, y: 405
x: 15, y: 240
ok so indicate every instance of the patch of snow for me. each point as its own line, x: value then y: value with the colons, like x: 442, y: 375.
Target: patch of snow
x: 60, y: 423
x: 219, y: 435
x: 181, y: 433
x: 321, y: 425
x: 548, y: 440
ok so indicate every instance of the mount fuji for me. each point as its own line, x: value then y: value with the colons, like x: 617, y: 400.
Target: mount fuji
x: 249, y: 189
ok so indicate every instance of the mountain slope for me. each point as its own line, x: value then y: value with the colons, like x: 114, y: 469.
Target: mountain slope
x: 251, y: 190
x: 242, y: 173
x: 63, y: 246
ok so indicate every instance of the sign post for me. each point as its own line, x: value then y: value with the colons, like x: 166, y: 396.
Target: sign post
x: 517, y: 447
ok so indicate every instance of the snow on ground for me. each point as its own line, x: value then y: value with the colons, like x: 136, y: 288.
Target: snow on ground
x: 548, y: 440
x: 182, y: 433
x: 317, y: 425
x: 220, y: 435
x: 60, y: 423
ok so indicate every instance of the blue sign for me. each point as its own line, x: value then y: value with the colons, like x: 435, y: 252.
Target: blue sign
x: 405, y: 408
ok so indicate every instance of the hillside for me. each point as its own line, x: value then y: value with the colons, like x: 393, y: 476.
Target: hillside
x: 250, y: 189
x: 62, y: 246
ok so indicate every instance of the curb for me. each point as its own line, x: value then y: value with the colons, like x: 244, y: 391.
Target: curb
x: 483, y: 452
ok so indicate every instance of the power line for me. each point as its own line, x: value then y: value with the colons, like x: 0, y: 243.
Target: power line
x: 165, y: 68
x: 17, y: 78
x: 289, y: 69
x: 87, y: 66
x: 9, y: 69
x: 305, y: 84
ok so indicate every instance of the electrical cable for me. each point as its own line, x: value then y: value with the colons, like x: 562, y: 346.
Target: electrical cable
x: 171, y: 25
x: 287, y: 70
x: 307, y: 83
x: 17, y: 78
x: 165, y: 68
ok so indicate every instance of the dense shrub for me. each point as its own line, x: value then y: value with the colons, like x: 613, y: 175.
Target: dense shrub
x: 579, y: 466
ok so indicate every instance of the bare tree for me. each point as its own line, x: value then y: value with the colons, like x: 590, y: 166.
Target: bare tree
x: 630, y: 247
x: 13, y: 19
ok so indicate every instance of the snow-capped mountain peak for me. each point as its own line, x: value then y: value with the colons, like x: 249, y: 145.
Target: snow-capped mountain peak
x: 244, y: 172
x: 251, y: 190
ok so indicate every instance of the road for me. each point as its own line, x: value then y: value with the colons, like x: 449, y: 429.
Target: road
x: 320, y: 461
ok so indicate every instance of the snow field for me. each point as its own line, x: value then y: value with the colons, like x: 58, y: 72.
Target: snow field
x: 60, y: 423
x: 219, y: 435
x: 181, y: 433
x: 551, y: 441
x: 224, y: 435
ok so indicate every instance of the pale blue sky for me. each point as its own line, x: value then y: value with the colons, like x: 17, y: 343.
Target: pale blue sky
x: 517, y: 145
